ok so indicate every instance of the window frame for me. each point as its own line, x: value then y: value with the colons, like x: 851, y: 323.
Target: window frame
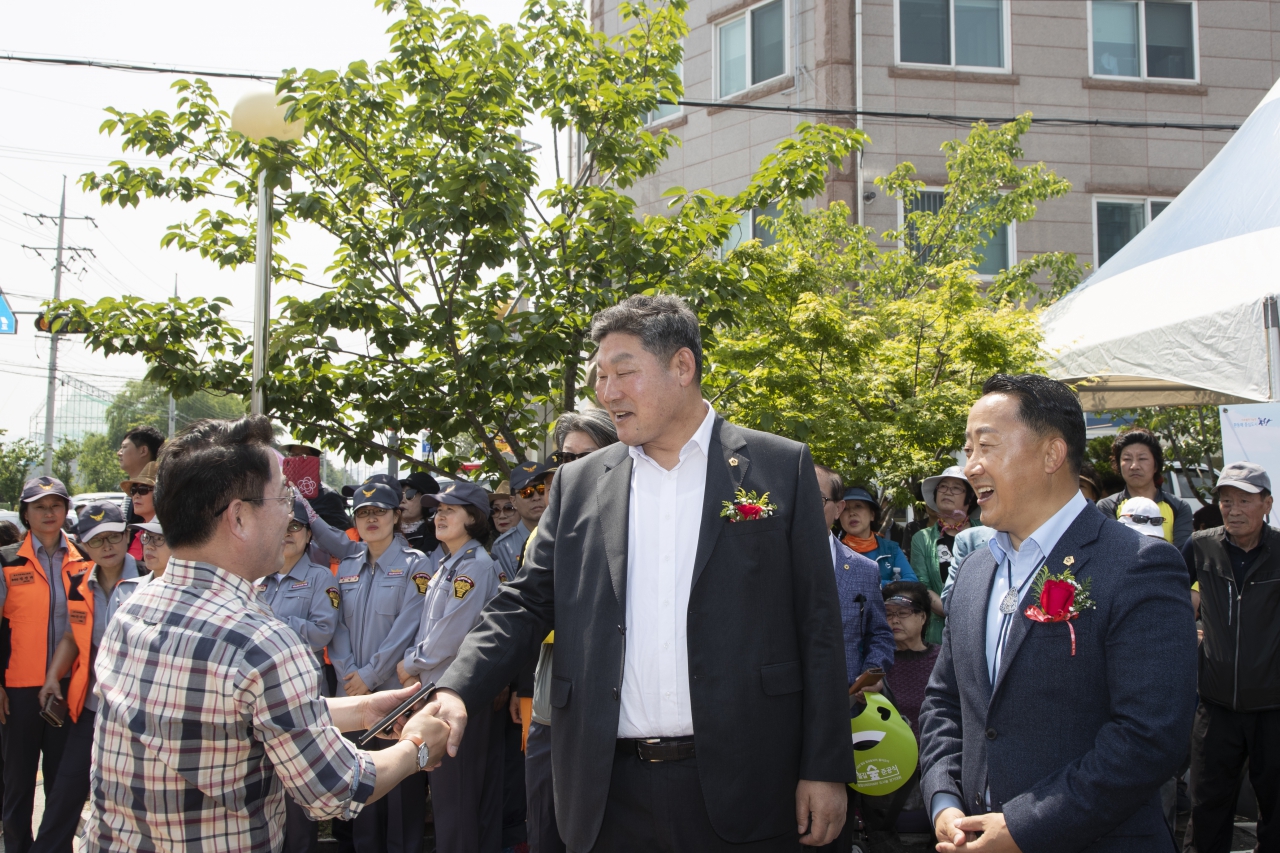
x: 653, y: 118
x: 1127, y: 199
x: 1194, y: 80
x: 746, y: 14
x: 1006, y: 34
x: 1011, y: 228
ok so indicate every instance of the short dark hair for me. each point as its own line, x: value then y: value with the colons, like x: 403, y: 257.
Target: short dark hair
x: 208, y: 465
x: 1145, y: 437
x: 594, y: 422
x: 477, y: 523
x: 148, y: 437
x: 836, y: 492
x: 9, y: 533
x: 917, y: 592
x: 1046, y: 406
x: 664, y: 324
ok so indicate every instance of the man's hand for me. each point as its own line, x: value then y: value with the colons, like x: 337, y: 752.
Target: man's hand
x: 51, y: 688
x: 434, y: 733
x: 514, y: 709
x: 355, y: 686
x: 980, y: 834
x: 448, y: 706
x: 820, y: 811
x: 403, y: 674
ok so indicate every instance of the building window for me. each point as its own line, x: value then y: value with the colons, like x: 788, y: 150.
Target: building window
x: 749, y: 228
x: 958, y: 33
x: 1118, y: 220
x: 752, y: 48
x: 665, y: 111
x: 994, y: 257
x: 1152, y: 39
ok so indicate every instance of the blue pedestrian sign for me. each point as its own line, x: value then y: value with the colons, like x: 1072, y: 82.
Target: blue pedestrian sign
x: 8, y: 323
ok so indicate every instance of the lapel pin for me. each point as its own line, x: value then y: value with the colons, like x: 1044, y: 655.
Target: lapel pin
x: 1068, y: 561
x: 733, y: 462
x: 846, y: 567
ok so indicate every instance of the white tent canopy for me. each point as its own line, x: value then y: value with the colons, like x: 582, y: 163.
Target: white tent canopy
x: 1185, y: 313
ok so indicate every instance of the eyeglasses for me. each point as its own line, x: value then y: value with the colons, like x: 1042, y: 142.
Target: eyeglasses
x: 295, y: 526
x: 290, y: 495
x: 1153, y: 520
x: 564, y: 457
x: 899, y: 613
x: 947, y: 489
x: 826, y: 500
x: 152, y: 539
x: 105, y: 539
x: 503, y: 509
x: 137, y: 490
x: 529, y: 491
x: 371, y: 511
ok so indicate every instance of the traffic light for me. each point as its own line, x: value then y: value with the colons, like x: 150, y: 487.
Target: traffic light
x: 62, y: 323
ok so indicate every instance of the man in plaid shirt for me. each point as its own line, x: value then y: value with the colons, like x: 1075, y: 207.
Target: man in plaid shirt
x: 210, y: 708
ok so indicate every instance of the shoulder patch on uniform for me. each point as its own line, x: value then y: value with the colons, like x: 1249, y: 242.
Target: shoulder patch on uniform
x: 462, y: 585
x: 334, y: 599
x: 420, y: 580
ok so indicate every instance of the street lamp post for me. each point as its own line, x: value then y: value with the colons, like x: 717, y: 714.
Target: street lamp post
x: 259, y: 116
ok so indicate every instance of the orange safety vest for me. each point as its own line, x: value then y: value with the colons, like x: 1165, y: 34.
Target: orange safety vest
x: 80, y: 613
x: 28, y: 607
x: 354, y: 536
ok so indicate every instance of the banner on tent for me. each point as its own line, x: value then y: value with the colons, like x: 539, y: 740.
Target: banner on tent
x: 1251, y: 433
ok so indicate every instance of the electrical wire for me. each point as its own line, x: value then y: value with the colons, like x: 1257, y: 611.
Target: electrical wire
x: 133, y: 66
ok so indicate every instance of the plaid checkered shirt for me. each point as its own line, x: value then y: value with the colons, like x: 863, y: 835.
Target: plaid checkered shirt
x: 209, y: 710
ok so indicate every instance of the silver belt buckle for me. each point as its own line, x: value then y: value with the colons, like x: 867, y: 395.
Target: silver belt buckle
x: 649, y: 740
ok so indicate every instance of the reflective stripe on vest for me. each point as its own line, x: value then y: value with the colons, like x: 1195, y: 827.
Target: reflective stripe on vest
x: 27, y: 606
x: 80, y: 602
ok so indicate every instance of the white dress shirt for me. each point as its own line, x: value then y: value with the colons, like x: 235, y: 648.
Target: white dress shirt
x: 663, y: 523
x: 1014, y: 567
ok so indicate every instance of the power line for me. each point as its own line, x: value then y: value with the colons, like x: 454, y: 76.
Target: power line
x: 133, y: 66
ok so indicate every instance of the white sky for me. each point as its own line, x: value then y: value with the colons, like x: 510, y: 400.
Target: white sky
x: 49, y: 119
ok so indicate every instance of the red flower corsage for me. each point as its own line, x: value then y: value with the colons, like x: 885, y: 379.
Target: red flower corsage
x: 1062, y: 598
x: 747, y: 506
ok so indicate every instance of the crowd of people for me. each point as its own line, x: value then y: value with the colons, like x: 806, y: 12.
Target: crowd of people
x: 189, y: 658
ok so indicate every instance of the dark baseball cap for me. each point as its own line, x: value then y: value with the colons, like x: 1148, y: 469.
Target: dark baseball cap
x: 422, y: 482
x: 526, y: 472
x: 857, y: 494
x: 1245, y: 476
x: 300, y: 512
x: 385, y: 479
x: 461, y: 493
x: 100, y: 517
x: 376, y: 494
x: 38, y: 487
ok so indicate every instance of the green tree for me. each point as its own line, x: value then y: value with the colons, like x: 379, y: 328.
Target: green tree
x: 18, y: 459
x: 97, y: 468
x: 65, y: 456
x: 872, y: 352
x: 458, y: 298
x: 143, y: 403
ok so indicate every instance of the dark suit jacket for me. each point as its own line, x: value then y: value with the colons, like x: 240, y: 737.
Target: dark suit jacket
x: 766, y: 656
x: 1074, y: 748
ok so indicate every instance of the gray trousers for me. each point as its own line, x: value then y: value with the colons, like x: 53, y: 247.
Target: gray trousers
x: 544, y: 835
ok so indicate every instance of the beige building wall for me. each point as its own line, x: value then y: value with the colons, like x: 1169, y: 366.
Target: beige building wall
x: 1049, y: 75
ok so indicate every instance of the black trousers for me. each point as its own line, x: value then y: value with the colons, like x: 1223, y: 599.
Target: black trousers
x: 1221, y: 741
x: 544, y: 835
x: 395, y: 823
x: 658, y: 806
x: 514, y: 832
x: 301, y: 833
x: 62, y: 805
x: 27, y: 738
x: 466, y: 789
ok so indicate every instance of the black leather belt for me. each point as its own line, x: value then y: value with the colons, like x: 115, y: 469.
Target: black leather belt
x: 657, y: 748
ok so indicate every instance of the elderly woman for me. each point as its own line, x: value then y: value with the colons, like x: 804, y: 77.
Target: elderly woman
x: 858, y: 524
x: 952, y: 498
x: 1137, y: 455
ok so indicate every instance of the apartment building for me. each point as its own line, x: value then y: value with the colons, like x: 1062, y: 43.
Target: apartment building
x: 1187, y: 62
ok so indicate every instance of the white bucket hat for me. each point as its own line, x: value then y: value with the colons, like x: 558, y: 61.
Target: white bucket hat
x: 929, y: 487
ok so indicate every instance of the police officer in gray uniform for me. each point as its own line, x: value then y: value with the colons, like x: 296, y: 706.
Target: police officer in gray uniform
x: 304, y: 595
x: 530, y: 482
x: 466, y: 790
x: 381, y: 583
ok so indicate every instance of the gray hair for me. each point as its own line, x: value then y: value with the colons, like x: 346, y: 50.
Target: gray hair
x: 594, y: 422
x: 664, y: 324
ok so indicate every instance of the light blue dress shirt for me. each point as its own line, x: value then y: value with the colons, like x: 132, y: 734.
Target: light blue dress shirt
x: 1016, y: 567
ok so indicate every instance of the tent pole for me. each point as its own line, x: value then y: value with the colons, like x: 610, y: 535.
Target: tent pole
x: 1271, y: 321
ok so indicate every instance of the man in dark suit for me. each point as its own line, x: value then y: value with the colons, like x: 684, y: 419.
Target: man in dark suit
x: 699, y: 698
x: 1055, y: 736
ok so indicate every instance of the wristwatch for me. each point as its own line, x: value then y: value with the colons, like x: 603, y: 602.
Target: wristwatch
x: 424, y: 751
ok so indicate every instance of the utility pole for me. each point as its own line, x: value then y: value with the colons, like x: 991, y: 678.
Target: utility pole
x: 51, y: 392
x: 173, y: 408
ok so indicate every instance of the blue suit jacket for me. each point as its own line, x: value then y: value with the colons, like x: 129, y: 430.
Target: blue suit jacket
x: 868, y: 639
x: 1073, y: 748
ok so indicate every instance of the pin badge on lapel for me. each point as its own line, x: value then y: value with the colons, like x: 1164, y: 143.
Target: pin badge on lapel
x: 733, y: 462
x: 1068, y: 561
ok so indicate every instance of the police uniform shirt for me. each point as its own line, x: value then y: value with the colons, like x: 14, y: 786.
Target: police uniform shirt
x: 508, y: 548
x: 306, y: 599
x: 459, y: 590
x: 52, y: 565
x: 378, y: 613
x: 104, y: 607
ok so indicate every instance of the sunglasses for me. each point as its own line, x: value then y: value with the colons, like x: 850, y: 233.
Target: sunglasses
x: 371, y: 512
x: 1153, y: 520
x: 503, y: 509
x: 295, y: 526
x: 529, y: 491
x: 152, y: 539
x: 563, y: 457
x: 138, y: 490
x: 105, y: 539
x: 410, y: 494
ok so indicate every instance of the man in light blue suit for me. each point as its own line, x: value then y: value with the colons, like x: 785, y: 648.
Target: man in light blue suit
x: 1047, y: 736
